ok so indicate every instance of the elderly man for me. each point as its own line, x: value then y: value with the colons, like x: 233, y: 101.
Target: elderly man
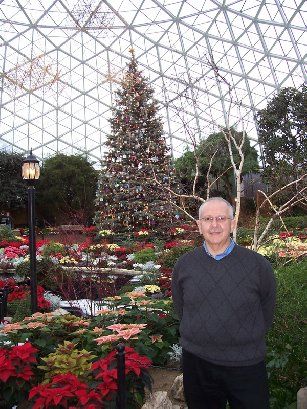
x: 224, y: 295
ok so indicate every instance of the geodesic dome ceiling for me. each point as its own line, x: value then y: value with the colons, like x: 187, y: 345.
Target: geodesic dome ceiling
x: 210, y: 62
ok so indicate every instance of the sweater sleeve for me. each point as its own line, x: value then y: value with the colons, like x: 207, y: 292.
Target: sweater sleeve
x: 268, y: 293
x: 177, y: 295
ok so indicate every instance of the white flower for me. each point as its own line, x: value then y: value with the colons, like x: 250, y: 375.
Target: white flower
x: 53, y: 299
x: 175, y: 353
x: 149, y: 266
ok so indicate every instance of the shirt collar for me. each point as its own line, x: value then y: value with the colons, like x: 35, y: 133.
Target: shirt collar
x: 222, y: 255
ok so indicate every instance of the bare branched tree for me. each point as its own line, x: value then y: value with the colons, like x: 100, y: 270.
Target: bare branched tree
x: 188, y: 99
x: 279, y: 211
x: 234, y: 146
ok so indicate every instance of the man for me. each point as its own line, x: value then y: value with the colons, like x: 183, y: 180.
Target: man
x: 224, y: 295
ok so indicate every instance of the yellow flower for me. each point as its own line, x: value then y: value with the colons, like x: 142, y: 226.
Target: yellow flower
x: 105, y: 232
x: 143, y: 233
x: 152, y: 288
x: 112, y: 246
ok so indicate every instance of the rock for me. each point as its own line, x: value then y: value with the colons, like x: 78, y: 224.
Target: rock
x: 302, y: 398
x: 176, y: 390
x: 158, y: 400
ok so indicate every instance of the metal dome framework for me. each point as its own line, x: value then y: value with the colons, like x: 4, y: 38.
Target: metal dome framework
x: 210, y: 62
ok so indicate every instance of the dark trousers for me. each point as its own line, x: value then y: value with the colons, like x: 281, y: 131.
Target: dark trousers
x: 210, y: 386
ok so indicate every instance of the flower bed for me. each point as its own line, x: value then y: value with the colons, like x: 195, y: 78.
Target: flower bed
x: 58, y: 342
x: 50, y: 343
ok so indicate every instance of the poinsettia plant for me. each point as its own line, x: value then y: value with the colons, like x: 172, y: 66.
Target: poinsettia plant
x: 16, y: 372
x: 93, y: 385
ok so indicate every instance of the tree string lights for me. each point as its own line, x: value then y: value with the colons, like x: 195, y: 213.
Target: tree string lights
x: 32, y: 75
x: 87, y: 15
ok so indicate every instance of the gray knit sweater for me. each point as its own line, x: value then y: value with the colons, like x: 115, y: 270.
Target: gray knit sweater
x: 225, y: 307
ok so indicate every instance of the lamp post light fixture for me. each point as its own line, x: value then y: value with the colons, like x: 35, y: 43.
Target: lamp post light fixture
x: 31, y: 172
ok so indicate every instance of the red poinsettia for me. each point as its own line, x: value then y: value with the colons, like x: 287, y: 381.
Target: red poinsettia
x: 134, y: 362
x: 18, y: 293
x: 8, y: 283
x: 16, y: 244
x: 171, y: 244
x: 85, y: 244
x: 65, y: 390
x: 21, y: 292
x: 16, y: 362
x: 285, y: 234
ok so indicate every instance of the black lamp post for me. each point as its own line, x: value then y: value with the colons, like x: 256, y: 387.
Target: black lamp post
x: 30, y: 172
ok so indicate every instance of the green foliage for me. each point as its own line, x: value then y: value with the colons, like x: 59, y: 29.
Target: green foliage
x: 67, y: 356
x: 19, y: 309
x: 185, y: 165
x: 161, y: 329
x: 296, y: 224
x: 13, y: 192
x: 282, y: 128
x: 7, y: 234
x: 245, y: 236
x: 286, y: 350
x: 145, y: 255
x: 169, y: 257
x: 66, y: 190
x: 293, y: 223
x: 52, y: 248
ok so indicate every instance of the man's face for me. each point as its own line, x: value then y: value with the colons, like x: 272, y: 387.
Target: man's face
x: 216, y: 233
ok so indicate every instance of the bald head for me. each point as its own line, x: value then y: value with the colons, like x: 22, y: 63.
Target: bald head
x: 217, y: 199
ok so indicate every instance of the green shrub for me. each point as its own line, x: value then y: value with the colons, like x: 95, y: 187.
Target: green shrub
x: 6, y: 233
x: 19, y: 309
x: 53, y: 248
x: 145, y: 255
x: 170, y: 256
x: 245, y: 236
x: 292, y: 223
x: 286, y: 339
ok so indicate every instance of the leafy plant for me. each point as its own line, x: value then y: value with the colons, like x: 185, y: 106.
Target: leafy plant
x: 67, y: 356
x: 52, y: 248
x: 244, y: 236
x: 7, y: 234
x: 145, y: 255
x: 286, y: 349
x: 16, y: 373
x: 282, y: 130
x: 66, y: 190
x: 169, y: 257
x: 13, y: 192
x: 18, y: 309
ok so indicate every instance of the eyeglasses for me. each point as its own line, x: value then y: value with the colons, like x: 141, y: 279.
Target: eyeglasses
x: 218, y: 219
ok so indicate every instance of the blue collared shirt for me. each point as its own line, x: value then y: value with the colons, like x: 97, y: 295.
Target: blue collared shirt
x: 222, y: 255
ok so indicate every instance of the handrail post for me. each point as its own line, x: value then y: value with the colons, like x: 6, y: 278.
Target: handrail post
x: 3, y: 303
x: 121, y: 377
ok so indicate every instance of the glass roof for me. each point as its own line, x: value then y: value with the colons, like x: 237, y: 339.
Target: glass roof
x: 210, y: 62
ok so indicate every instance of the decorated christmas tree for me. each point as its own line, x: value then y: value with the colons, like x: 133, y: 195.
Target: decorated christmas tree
x: 136, y: 171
